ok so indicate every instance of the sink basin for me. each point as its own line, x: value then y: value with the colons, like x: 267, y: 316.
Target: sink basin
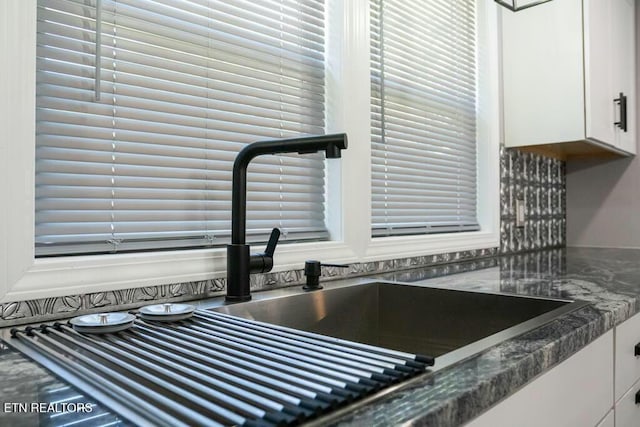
x: 415, y: 319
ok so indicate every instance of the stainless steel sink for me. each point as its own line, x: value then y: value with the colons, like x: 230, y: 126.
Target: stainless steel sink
x: 417, y: 319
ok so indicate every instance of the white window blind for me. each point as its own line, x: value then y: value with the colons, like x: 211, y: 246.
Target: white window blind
x: 423, y: 115
x: 142, y: 106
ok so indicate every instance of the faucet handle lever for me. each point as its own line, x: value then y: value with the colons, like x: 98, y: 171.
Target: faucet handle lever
x: 263, y: 262
x: 272, y: 243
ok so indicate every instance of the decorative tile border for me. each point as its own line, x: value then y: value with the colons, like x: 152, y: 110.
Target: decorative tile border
x: 47, y: 309
x: 541, y: 183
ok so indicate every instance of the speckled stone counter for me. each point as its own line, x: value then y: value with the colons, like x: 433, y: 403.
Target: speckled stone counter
x: 59, y: 404
x: 608, y: 278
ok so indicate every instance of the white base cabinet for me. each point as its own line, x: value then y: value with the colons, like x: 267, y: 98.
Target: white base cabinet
x: 577, y: 392
x: 627, y: 411
x: 627, y: 363
x: 599, y: 386
x: 627, y: 373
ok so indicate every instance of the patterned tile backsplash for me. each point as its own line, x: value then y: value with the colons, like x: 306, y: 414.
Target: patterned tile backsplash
x: 537, y: 180
x: 540, y: 183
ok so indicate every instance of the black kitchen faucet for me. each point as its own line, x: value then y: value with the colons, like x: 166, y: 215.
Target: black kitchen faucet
x: 240, y: 264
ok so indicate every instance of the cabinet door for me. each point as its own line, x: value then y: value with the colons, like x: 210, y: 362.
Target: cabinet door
x: 623, y: 51
x: 627, y: 368
x: 599, y: 95
x: 627, y: 410
x: 543, y: 74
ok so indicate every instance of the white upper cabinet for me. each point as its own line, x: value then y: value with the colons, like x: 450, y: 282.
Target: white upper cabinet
x: 624, y: 67
x: 569, y: 76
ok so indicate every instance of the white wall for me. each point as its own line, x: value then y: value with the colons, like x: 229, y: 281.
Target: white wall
x: 603, y: 203
x: 603, y: 197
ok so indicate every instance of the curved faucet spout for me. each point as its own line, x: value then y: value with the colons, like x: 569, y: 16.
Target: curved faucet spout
x: 332, y: 144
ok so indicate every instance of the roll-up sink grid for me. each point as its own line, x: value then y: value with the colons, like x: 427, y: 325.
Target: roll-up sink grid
x: 215, y: 369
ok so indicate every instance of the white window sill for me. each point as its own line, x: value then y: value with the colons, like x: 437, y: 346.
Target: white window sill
x: 382, y: 248
x: 97, y: 273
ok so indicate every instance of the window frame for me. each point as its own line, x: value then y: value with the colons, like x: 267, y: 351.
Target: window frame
x: 348, y: 210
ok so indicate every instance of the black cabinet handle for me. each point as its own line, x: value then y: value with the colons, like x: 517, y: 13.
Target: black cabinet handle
x: 622, y: 102
x: 638, y: 397
x: 636, y: 350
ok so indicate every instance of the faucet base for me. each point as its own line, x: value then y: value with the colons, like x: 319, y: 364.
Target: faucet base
x: 238, y: 269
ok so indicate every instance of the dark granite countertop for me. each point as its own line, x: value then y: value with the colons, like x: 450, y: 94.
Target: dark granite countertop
x: 23, y: 381
x: 608, y: 278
